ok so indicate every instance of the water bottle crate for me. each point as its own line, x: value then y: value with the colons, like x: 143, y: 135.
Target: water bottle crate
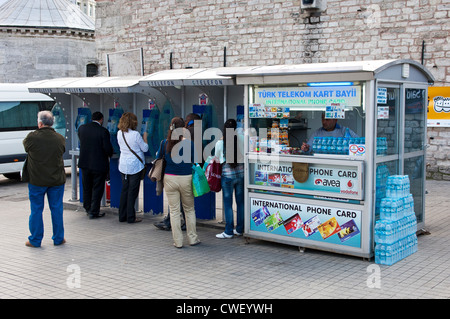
x: 390, y: 231
x: 397, y: 186
x: 389, y: 254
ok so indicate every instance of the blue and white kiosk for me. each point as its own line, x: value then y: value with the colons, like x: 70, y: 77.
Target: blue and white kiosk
x: 328, y: 200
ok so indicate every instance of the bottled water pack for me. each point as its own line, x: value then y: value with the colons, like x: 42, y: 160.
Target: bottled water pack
x: 395, y: 231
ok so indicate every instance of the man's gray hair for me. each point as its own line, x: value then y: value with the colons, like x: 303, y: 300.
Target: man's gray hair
x: 46, y: 118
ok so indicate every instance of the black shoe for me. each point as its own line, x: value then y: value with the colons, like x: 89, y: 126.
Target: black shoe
x: 162, y: 225
x: 94, y: 216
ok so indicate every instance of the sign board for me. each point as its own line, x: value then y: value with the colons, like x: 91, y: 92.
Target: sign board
x: 323, y: 223
x: 309, y: 97
x: 438, y: 107
x: 330, y: 180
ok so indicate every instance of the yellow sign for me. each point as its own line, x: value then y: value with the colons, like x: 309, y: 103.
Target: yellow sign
x: 439, y: 106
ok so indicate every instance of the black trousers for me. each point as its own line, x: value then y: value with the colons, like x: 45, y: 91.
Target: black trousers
x: 93, y: 188
x: 128, y: 195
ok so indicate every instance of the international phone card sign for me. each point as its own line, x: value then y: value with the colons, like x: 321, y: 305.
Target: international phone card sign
x: 312, y: 222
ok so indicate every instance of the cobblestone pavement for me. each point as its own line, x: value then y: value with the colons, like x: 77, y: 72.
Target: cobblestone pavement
x: 107, y: 259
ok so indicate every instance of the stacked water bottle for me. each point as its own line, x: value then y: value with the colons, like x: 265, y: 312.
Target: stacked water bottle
x: 395, y: 231
x: 339, y: 145
x: 382, y: 146
x: 382, y: 175
x: 330, y: 145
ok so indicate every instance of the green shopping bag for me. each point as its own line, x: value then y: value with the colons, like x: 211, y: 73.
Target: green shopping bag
x: 199, y: 182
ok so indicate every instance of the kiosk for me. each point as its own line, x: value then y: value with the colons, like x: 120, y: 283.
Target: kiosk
x: 328, y: 197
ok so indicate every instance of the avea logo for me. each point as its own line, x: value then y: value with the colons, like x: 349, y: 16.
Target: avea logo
x: 327, y: 182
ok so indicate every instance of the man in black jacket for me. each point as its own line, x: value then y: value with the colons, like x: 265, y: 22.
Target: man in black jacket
x: 95, y: 151
x: 44, y: 172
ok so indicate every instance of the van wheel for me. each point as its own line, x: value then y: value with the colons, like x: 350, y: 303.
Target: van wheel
x: 15, y: 176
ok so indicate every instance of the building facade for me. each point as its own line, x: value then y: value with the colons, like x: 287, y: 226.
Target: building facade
x: 44, y: 40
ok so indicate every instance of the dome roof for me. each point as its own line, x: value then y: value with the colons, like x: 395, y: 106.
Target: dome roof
x: 44, y: 14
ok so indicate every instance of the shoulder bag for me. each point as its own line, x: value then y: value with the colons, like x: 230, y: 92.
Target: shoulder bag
x: 156, y: 173
x: 144, y: 170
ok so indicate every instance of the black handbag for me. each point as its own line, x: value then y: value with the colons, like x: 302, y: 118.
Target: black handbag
x: 144, y: 170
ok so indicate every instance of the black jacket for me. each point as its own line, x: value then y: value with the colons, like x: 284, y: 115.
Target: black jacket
x: 95, y: 147
x: 45, y: 164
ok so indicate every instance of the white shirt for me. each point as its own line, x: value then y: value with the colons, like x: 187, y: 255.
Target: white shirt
x: 128, y: 163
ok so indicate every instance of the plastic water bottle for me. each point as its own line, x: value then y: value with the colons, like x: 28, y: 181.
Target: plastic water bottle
x: 390, y: 233
x: 390, y: 252
x: 378, y: 145
x: 333, y: 145
x: 315, y: 145
x: 383, y: 146
x: 380, y: 231
x: 347, y: 133
x: 345, y: 146
x: 319, y: 145
x: 326, y: 145
x: 340, y: 146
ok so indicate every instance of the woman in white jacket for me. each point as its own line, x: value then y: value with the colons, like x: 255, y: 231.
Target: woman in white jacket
x: 130, y: 166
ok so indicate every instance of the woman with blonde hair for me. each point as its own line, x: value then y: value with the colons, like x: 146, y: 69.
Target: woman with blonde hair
x: 130, y: 166
x: 179, y: 153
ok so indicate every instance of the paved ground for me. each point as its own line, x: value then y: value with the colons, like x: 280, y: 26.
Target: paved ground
x: 107, y: 259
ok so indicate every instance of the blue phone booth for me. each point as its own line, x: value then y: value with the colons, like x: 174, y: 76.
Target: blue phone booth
x: 205, y: 206
x: 150, y: 124
x: 84, y: 116
x: 59, y: 123
x: 115, y: 179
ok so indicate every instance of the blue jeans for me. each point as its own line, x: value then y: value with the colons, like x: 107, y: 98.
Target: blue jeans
x: 55, y: 202
x: 228, y: 185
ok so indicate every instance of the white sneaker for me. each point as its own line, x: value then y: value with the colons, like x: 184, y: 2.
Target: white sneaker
x: 236, y: 233
x: 223, y: 235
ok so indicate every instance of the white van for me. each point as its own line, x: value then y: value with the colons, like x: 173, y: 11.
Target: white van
x: 18, y: 117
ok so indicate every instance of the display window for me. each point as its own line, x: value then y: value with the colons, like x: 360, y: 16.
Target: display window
x: 308, y: 119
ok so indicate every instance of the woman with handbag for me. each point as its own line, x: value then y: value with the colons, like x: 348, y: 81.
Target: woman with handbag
x: 131, y: 165
x: 232, y: 177
x: 179, y: 154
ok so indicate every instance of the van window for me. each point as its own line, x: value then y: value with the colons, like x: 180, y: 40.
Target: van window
x: 19, y: 116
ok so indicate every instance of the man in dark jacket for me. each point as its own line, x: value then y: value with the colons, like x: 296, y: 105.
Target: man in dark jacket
x: 44, y: 172
x: 95, y: 151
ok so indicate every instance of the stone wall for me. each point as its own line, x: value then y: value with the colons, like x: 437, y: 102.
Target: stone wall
x: 275, y: 32
x: 268, y: 32
x: 438, y: 153
x: 31, y: 55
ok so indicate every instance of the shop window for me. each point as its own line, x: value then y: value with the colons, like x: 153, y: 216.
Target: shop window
x: 388, y: 104
x: 415, y: 120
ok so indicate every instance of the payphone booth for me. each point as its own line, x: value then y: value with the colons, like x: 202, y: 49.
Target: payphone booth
x: 110, y: 95
x: 313, y: 186
x: 199, y: 91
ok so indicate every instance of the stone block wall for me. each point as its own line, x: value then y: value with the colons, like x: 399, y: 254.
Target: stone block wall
x: 30, y: 55
x: 438, y: 153
x: 275, y: 32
